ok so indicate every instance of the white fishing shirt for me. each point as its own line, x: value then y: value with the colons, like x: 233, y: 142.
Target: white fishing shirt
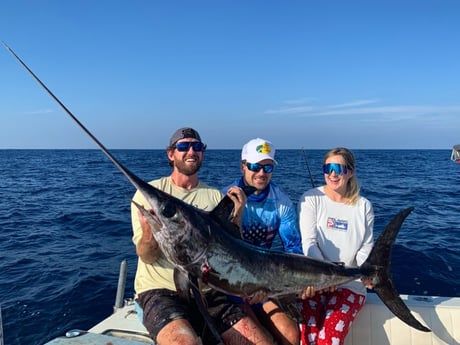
x: 336, y: 232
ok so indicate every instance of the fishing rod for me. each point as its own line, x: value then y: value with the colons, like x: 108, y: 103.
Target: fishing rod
x: 308, y: 168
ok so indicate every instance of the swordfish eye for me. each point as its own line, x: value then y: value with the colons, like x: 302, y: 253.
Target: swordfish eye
x: 169, y: 210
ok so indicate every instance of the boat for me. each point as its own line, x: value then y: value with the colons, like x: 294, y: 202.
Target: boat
x: 374, y: 325
x: 455, y: 155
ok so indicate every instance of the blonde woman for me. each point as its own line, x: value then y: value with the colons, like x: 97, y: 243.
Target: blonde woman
x: 336, y: 224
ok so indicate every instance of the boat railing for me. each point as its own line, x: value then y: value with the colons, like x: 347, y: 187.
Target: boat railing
x: 119, y: 299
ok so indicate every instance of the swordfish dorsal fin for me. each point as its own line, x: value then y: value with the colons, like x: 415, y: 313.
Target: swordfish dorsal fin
x: 223, y: 211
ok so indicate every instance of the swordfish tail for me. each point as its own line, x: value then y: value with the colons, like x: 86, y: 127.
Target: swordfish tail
x: 378, y: 264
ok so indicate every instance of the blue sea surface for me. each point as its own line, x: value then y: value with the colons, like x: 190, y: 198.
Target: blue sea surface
x: 65, y: 225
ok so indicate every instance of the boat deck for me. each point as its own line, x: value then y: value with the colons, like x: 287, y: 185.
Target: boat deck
x: 375, y: 325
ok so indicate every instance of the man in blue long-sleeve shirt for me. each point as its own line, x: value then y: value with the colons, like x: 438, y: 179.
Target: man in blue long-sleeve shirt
x: 269, y: 214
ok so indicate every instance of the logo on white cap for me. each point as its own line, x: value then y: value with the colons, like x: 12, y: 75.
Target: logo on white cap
x: 257, y: 150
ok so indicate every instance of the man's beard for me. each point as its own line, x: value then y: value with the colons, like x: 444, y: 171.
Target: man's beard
x: 187, y: 168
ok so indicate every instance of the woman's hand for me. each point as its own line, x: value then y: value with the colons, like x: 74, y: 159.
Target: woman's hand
x: 310, y: 291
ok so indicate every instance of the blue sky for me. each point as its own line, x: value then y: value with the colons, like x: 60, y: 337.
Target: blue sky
x: 303, y: 74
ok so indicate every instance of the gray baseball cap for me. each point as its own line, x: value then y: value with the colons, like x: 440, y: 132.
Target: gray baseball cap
x: 182, y: 133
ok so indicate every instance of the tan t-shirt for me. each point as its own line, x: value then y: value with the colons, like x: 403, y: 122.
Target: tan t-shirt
x: 159, y: 275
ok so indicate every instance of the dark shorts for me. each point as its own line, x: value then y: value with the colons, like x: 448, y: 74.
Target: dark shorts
x: 163, y: 306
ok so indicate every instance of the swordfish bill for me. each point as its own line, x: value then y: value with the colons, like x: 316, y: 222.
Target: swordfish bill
x: 205, y: 245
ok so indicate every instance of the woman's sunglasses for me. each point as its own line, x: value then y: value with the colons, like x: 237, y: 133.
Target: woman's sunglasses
x: 339, y: 169
x: 255, y: 167
x: 184, y: 146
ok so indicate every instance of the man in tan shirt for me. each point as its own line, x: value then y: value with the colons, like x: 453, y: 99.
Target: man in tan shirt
x: 169, y: 319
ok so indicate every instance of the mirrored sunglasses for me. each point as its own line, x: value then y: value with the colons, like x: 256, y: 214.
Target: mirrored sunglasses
x: 255, y: 167
x: 339, y: 169
x: 184, y: 146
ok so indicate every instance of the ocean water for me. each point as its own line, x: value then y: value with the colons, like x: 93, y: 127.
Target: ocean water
x: 65, y: 225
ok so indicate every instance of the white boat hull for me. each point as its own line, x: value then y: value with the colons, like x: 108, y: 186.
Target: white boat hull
x: 376, y: 325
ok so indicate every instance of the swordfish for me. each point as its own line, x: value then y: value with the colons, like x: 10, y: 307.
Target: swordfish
x: 205, y: 245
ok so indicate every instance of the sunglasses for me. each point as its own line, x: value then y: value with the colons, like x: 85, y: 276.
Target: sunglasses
x: 255, y: 167
x: 339, y: 169
x: 184, y: 146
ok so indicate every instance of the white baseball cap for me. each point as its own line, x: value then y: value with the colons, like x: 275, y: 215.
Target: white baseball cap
x: 257, y: 150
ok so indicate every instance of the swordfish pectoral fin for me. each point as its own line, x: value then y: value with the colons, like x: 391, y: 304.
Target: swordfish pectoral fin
x: 201, y: 304
x: 183, y: 285
x: 186, y: 285
x: 379, y: 261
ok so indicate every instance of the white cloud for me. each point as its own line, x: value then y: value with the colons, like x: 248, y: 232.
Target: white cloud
x: 39, y: 112
x: 359, y: 108
x: 299, y: 100
x: 354, y: 103
x: 291, y: 110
